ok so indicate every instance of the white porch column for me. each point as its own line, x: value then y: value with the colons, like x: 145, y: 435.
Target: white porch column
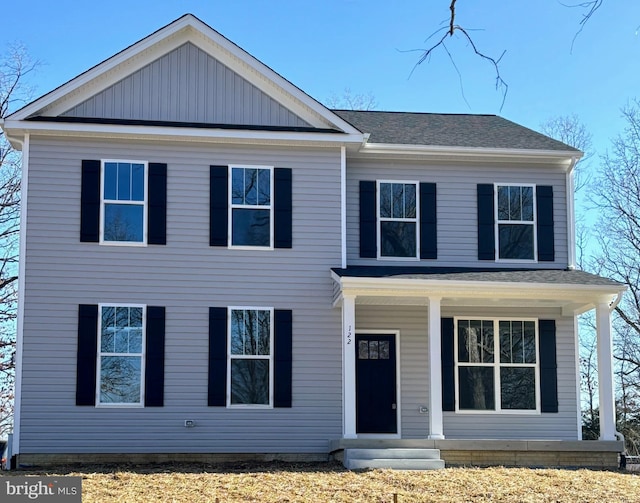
x: 436, y: 429
x: 349, y: 366
x: 605, y: 372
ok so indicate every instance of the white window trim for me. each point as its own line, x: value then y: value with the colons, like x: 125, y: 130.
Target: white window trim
x: 379, y: 220
x: 233, y: 206
x: 496, y: 366
x: 250, y: 357
x: 144, y: 204
x: 143, y: 355
x: 533, y: 223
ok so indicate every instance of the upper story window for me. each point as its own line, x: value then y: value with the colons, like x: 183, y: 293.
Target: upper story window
x: 251, y: 208
x: 497, y: 365
x: 398, y: 220
x: 121, y: 355
x: 515, y: 220
x: 250, y: 355
x: 124, y: 201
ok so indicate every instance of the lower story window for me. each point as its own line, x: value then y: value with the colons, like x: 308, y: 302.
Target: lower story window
x: 497, y: 365
x: 121, y: 356
x: 250, y: 355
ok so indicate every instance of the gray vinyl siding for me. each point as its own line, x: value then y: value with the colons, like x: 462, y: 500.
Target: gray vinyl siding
x: 187, y: 276
x: 456, y: 206
x: 412, y: 323
x: 165, y: 90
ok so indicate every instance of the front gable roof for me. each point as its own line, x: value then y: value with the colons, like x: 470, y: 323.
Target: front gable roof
x: 186, y: 74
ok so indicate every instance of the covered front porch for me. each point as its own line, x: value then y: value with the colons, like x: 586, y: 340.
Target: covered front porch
x: 409, y: 306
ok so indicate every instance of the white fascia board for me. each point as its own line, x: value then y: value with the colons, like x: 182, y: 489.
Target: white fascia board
x: 506, y: 154
x: 17, y: 129
x: 477, y: 289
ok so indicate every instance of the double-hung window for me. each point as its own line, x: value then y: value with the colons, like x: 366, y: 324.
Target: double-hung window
x: 251, y: 356
x: 251, y: 216
x: 398, y: 220
x: 497, y: 365
x: 515, y: 221
x: 121, y: 358
x: 124, y: 200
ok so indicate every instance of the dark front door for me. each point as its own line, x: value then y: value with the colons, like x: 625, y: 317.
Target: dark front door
x: 376, y: 405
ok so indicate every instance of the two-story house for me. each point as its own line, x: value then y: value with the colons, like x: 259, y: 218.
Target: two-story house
x: 215, y: 265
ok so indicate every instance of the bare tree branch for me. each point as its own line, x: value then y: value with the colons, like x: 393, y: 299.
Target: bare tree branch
x: 450, y: 32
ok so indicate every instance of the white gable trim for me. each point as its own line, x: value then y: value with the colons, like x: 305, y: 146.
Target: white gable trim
x: 188, y: 28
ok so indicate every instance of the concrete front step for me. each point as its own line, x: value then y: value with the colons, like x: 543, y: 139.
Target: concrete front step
x: 395, y: 459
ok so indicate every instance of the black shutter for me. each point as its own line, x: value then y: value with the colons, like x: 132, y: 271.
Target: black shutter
x: 282, y: 208
x: 548, y: 366
x: 486, y: 223
x: 87, y: 354
x: 428, y: 222
x: 282, y: 358
x: 218, y: 206
x: 157, y: 233
x: 448, y: 364
x: 90, y: 202
x: 368, y: 236
x: 544, y: 204
x: 154, y: 358
x: 217, y: 357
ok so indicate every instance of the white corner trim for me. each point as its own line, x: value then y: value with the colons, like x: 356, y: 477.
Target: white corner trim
x: 24, y: 186
x: 571, y: 214
x: 343, y: 206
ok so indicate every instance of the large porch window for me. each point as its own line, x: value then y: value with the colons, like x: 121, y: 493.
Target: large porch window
x: 497, y: 365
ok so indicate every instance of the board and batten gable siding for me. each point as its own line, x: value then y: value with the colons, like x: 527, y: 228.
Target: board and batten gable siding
x: 187, y: 85
x: 456, y: 189
x: 186, y: 276
x: 412, y: 323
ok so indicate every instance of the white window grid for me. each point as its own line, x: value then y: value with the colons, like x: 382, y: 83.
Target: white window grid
x: 381, y: 219
x: 104, y: 201
x: 497, y: 365
x: 141, y: 354
x: 499, y: 222
x: 269, y: 357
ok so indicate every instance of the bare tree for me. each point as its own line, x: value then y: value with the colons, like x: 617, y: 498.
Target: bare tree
x: 452, y: 27
x: 14, y: 67
x: 616, y: 192
x: 570, y: 130
x: 352, y: 101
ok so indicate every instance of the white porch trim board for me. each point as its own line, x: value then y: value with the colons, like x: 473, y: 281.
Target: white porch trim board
x: 436, y: 426
x: 349, y: 366
x: 605, y: 371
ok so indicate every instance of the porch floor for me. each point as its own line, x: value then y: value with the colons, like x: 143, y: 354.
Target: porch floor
x: 530, y: 453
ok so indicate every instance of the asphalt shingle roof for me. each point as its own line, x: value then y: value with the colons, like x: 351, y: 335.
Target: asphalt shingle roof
x: 548, y: 276
x: 448, y: 130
